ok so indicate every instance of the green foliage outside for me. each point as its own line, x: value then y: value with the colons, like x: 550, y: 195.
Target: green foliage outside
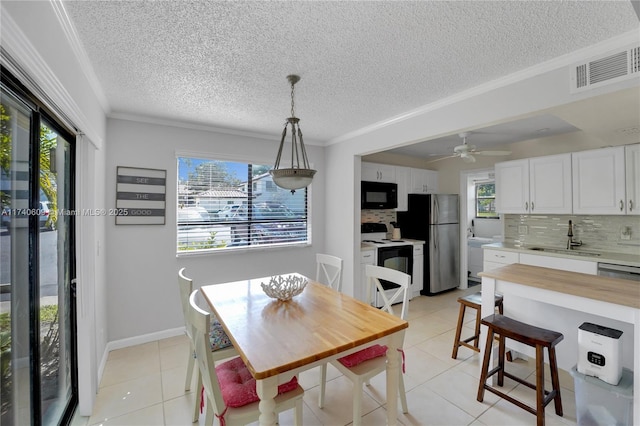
x: 48, y: 142
x: 49, y: 350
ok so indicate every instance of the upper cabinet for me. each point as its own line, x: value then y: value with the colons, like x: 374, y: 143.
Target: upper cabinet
x: 632, y: 171
x: 539, y: 185
x: 599, y: 181
x: 374, y: 172
x: 403, y: 179
x: 423, y: 181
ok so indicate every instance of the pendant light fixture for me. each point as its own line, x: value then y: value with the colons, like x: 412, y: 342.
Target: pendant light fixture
x: 299, y: 175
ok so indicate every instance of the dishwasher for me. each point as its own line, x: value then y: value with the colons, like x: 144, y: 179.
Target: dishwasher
x: 619, y: 271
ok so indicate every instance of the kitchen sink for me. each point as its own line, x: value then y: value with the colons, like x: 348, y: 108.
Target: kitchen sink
x: 571, y: 252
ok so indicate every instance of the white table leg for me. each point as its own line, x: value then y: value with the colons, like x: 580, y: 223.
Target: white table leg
x: 393, y: 372
x: 267, y: 390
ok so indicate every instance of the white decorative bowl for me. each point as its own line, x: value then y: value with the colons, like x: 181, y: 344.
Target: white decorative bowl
x: 284, y: 287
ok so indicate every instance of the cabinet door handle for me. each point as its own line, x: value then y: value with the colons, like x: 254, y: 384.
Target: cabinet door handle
x: 630, y: 205
x: 532, y: 206
x: 621, y: 205
x: 526, y: 206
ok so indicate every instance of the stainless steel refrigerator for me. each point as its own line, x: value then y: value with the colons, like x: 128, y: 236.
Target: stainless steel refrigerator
x: 434, y: 218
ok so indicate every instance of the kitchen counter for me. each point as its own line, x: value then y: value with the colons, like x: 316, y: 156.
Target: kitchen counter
x: 590, y: 255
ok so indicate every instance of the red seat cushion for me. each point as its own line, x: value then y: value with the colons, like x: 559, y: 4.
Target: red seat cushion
x: 238, y: 385
x: 363, y: 355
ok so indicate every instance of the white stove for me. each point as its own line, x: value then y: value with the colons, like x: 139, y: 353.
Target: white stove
x: 390, y: 253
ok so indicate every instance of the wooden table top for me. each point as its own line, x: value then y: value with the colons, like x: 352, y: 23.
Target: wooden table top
x: 273, y: 337
x: 606, y: 289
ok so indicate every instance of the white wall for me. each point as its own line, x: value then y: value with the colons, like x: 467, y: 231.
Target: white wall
x: 142, y: 292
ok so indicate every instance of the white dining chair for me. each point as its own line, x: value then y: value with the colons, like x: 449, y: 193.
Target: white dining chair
x: 329, y: 270
x: 220, y: 342
x: 229, y: 387
x: 363, y: 365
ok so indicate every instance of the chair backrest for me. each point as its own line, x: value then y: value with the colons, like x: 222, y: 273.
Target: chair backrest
x: 186, y: 287
x: 200, y: 322
x: 400, y: 294
x: 329, y: 271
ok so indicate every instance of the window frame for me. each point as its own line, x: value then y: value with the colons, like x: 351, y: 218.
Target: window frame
x: 476, y: 198
x: 307, y: 218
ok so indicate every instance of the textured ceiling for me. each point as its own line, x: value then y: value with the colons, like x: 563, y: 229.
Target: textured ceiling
x: 224, y: 64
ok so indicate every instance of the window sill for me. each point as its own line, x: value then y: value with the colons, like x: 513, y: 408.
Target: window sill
x: 240, y: 250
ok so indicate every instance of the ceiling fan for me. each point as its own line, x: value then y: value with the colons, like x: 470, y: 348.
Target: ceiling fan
x: 467, y: 152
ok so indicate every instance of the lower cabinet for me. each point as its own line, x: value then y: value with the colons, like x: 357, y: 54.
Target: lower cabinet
x: 367, y: 257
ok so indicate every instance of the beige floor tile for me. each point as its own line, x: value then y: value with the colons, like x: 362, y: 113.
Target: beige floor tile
x: 181, y: 339
x: 174, y: 356
x: 137, y: 351
x: 420, y: 367
x: 338, y: 408
x: 173, y: 383
x: 133, y: 365
x: 178, y: 411
x: 428, y: 408
x: 127, y: 397
x: 152, y: 415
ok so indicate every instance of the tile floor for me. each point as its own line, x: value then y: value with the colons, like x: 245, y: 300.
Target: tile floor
x: 144, y: 384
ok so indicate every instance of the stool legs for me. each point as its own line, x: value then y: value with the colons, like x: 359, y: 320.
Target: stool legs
x: 555, y: 380
x: 456, y: 342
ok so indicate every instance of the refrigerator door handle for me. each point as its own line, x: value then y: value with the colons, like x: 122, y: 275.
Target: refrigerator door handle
x: 435, y: 237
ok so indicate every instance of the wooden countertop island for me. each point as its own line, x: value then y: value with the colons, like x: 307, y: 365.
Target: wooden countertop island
x: 561, y: 301
x: 605, y: 289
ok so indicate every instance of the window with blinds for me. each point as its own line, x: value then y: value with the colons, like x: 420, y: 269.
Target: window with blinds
x: 224, y: 205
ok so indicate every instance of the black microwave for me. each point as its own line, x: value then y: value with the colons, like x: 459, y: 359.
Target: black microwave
x: 378, y: 195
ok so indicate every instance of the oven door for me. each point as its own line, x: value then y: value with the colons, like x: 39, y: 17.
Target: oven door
x: 399, y: 258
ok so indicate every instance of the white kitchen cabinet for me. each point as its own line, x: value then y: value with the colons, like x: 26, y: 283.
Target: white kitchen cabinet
x: 512, y: 186
x: 497, y: 258
x: 540, y: 185
x: 367, y: 257
x: 562, y: 263
x: 423, y: 181
x: 418, y: 270
x: 403, y: 179
x: 599, y: 181
x: 374, y: 172
x: 632, y: 171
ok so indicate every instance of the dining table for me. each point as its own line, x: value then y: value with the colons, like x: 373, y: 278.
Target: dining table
x: 277, y: 340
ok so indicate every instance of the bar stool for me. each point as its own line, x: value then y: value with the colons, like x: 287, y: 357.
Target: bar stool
x: 539, y: 338
x: 473, y: 301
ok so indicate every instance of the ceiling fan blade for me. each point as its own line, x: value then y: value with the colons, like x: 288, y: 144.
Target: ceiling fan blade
x: 442, y: 158
x: 492, y: 152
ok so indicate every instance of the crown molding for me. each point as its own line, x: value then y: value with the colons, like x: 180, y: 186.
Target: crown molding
x: 22, y: 59
x: 623, y: 40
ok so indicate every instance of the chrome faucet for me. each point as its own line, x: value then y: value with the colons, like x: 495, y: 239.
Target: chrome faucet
x: 571, y: 244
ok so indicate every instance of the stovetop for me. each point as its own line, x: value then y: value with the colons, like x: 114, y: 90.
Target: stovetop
x: 375, y: 234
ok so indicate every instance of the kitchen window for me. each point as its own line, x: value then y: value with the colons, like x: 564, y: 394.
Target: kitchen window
x: 486, y: 200
x: 225, y: 205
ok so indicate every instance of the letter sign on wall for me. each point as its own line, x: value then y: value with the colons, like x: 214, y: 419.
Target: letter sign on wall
x: 140, y: 196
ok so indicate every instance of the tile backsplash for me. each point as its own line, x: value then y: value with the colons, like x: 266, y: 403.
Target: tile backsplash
x: 377, y: 216
x: 597, y: 233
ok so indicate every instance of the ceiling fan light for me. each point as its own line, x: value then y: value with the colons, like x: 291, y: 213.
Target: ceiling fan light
x: 468, y: 158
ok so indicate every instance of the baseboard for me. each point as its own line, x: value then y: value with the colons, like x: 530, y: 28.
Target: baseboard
x: 133, y: 341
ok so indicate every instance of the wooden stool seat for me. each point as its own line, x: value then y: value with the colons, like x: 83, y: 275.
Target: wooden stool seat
x: 473, y: 301
x: 537, y: 337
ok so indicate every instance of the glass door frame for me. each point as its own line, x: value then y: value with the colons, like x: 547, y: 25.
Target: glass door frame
x: 40, y: 115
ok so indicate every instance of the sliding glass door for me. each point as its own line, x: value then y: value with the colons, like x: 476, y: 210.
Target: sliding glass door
x: 37, y: 298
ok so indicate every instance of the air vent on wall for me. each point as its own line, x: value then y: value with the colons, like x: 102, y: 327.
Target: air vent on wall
x: 604, y: 70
